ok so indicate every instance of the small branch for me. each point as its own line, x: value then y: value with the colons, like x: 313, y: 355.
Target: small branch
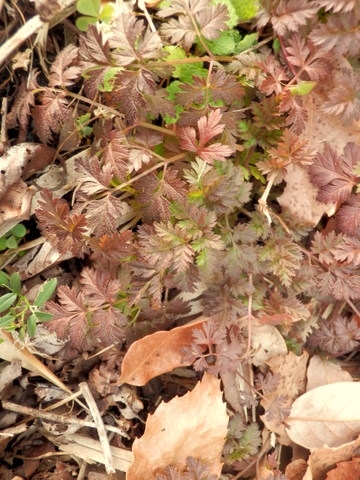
x: 54, y: 417
x: 109, y: 464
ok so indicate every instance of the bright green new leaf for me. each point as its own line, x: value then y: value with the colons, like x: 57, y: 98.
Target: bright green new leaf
x: 107, y: 13
x: 15, y: 283
x: 245, y: 9
x: 45, y: 293
x: 31, y: 325
x: 109, y: 77
x: 88, y: 7
x: 6, y: 301
x: 19, y: 230
x: 302, y: 88
x: 184, y: 71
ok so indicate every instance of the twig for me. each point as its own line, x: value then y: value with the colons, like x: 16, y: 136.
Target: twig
x: 109, y: 464
x: 55, y: 417
x: 30, y: 27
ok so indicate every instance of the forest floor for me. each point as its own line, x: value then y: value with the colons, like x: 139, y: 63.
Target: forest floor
x: 180, y: 240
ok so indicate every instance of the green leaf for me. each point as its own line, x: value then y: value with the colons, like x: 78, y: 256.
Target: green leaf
x: 7, y: 321
x: 109, y: 77
x: 31, y: 325
x: 107, y: 13
x: 11, y: 242
x: 184, y: 71
x: 43, y: 316
x: 15, y: 283
x: 19, y: 230
x: 82, y: 23
x: 3, y: 243
x: 4, y: 279
x: 45, y: 293
x: 247, y: 42
x: 302, y: 88
x: 276, y: 45
x: 245, y: 9
x: 88, y: 7
x: 225, y: 43
x: 6, y: 301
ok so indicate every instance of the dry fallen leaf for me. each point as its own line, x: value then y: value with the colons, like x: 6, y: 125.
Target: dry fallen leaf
x: 323, y: 372
x: 290, y: 371
x: 299, y: 197
x: 193, y: 425
x: 266, y: 341
x: 345, y: 470
x: 322, y: 460
x: 326, y: 416
x: 157, y: 353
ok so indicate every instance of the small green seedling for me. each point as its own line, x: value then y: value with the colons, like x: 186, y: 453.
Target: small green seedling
x: 16, y: 312
x: 12, y: 238
x: 92, y: 12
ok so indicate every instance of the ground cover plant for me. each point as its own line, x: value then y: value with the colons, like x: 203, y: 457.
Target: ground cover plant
x: 180, y: 238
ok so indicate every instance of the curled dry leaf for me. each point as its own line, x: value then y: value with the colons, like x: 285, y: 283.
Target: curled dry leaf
x: 323, y: 372
x: 14, y: 206
x: 157, y: 353
x: 326, y: 416
x: 193, y: 425
x: 349, y: 470
x: 322, y: 460
x: 21, y: 161
x: 267, y: 341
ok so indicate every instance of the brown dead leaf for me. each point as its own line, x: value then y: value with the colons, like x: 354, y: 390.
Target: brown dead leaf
x: 21, y: 161
x: 193, y: 425
x: 296, y: 469
x: 157, y: 353
x: 299, y: 197
x: 322, y: 460
x: 326, y: 416
x: 39, y: 259
x: 291, y: 373
x: 323, y: 372
x: 266, y: 341
x: 14, y: 206
x: 345, y: 470
x: 8, y: 374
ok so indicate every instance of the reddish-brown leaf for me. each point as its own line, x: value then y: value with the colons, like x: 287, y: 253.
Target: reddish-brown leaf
x: 157, y: 353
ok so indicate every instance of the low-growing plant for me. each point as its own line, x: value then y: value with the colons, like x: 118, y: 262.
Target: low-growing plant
x: 17, y: 312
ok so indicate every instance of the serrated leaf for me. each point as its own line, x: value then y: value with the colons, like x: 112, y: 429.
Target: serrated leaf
x: 6, y: 301
x: 15, y: 283
x: 46, y: 292
x: 184, y: 426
